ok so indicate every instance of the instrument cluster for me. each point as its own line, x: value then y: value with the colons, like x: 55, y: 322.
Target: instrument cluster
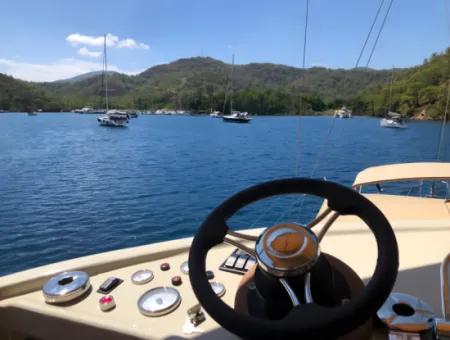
x: 73, y: 286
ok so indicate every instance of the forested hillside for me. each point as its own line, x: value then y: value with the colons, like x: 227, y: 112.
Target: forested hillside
x: 418, y: 91
x: 203, y: 84
x: 18, y: 95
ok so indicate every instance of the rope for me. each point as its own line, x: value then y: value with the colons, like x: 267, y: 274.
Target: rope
x: 379, y: 33
x: 305, y: 34
x: 369, y: 34
x: 444, y: 121
x: 297, y: 134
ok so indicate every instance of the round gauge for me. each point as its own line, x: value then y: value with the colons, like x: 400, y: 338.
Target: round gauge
x: 218, y: 288
x: 142, y: 276
x: 159, y: 301
x: 185, y: 267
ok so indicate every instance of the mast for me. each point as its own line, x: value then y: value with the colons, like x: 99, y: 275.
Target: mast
x: 390, y: 90
x: 231, y: 81
x: 105, y: 71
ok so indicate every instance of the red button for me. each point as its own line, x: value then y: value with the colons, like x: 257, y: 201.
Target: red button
x: 106, y: 303
x: 106, y: 299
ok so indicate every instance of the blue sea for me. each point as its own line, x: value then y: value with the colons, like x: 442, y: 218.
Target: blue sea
x: 70, y: 188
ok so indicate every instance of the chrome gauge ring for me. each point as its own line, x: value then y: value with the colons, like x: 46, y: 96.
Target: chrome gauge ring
x: 159, y: 301
x: 142, y: 276
x: 66, y: 287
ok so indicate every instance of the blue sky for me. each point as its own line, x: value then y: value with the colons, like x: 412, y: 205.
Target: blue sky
x: 47, y: 40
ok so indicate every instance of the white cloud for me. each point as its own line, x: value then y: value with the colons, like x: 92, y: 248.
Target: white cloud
x: 131, y: 43
x: 87, y: 53
x: 76, y: 39
x: 61, y: 69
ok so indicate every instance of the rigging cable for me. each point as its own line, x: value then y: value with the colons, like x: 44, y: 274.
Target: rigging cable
x: 325, y: 143
x: 305, y: 34
x: 379, y: 33
x: 444, y: 120
x: 369, y: 34
x: 297, y: 134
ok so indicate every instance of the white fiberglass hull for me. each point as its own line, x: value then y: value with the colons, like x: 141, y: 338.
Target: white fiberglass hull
x: 390, y: 123
x: 107, y: 121
x: 234, y: 119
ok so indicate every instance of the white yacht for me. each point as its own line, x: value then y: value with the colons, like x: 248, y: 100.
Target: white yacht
x: 88, y: 109
x: 215, y: 114
x: 112, y: 118
x: 343, y: 113
x: 237, y: 117
x: 368, y: 266
x: 393, y: 120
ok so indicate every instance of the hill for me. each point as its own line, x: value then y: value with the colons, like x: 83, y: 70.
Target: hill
x: 202, y: 84
x: 419, y: 92
x: 82, y: 77
x: 18, y: 95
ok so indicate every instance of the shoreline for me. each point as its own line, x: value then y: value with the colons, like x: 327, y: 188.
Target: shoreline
x: 416, y: 117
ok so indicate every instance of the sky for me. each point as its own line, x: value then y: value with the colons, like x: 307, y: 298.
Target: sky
x: 46, y: 40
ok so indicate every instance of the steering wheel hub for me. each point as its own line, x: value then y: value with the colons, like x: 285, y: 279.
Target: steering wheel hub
x: 287, y: 249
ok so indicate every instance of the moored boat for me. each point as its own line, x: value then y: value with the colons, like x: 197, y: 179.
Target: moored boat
x: 237, y: 117
x: 89, y: 110
x: 393, y: 120
x: 216, y: 114
x: 343, y: 113
x: 113, y: 118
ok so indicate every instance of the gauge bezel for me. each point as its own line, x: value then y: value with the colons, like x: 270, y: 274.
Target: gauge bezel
x: 164, y: 311
x: 140, y: 272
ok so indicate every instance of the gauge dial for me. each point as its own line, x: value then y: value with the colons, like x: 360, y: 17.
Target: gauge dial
x: 159, y: 301
x: 142, y: 276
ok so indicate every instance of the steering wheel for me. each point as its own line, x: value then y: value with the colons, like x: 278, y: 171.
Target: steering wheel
x: 308, y: 320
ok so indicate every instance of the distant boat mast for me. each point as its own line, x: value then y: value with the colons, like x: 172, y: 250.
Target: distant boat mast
x: 231, y: 81
x: 105, y: 71
x: 390, y: 90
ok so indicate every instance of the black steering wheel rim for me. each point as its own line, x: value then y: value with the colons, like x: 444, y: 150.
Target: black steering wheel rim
x: 310, y: 320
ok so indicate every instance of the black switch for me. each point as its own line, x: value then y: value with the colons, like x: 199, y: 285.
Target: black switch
x: 109, y: 285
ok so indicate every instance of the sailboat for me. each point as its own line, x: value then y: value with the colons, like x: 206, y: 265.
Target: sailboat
x: 393, y: 119
x: 343, y: 113
x: 235, y: 116
x: 112, y: 118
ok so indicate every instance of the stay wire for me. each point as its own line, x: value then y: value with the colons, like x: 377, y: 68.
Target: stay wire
x: 379, y: 33
x: 444, y: 120
x: 369, y: 34
x: 321, y: 151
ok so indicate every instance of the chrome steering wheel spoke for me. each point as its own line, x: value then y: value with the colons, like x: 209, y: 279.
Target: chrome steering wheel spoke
x: 242, y: 236
x: 327, y: 225
x: 291, y: 293
x: 306, y: 290
x: 319, y: 218
x: 238, y: 244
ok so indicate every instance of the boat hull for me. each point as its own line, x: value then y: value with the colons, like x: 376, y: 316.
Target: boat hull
x: 390, y: 123
x: 106, y: 121
x: 236, y: 120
